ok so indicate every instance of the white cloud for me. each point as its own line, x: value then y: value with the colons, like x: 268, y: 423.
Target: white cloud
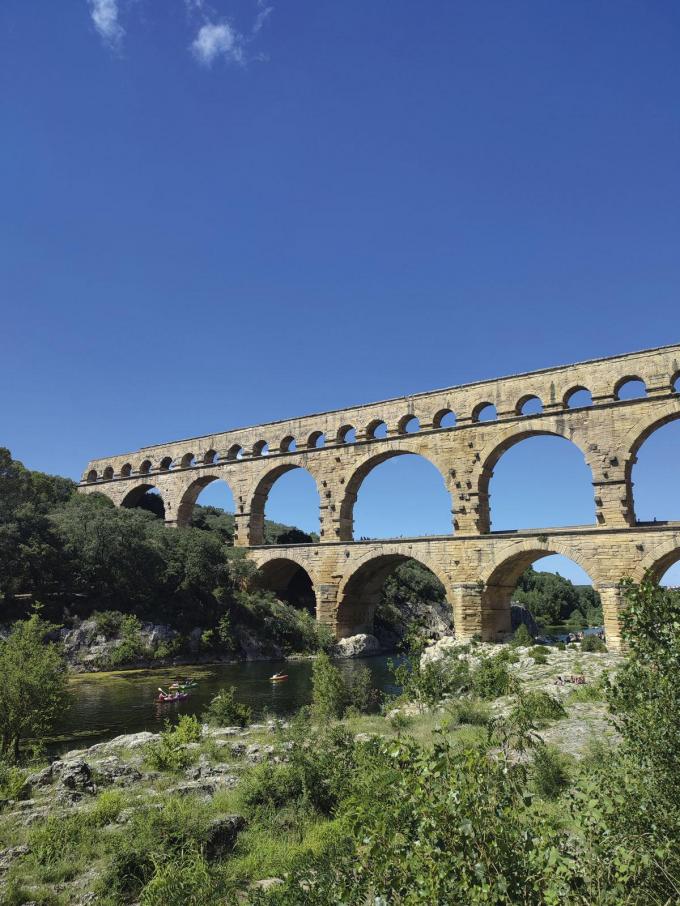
x: 262, y: 16
x: 218, y: 39
x: 105, y: 17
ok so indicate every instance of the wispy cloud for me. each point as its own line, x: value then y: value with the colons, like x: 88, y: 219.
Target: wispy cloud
x: 264, y: 13
x: 218, y: 39
x: 105, y: 17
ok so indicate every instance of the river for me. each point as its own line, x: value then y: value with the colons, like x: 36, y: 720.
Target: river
x: 104, y: 705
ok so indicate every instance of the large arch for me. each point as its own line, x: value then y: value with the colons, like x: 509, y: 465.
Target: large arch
x: 258, y: 501
x: 135, y: 497
x: 659, y: 560
x: 290, y: 582
x: 359, y: 593
x: 635, y: 441
x: 190, y: 496
x: 346, y: 527
x: 491, y: 457
x: 500, y: 581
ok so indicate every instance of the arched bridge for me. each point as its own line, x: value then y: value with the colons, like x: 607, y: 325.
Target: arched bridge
x: 463, y: 431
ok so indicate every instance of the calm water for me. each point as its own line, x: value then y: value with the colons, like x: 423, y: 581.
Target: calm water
x: 105, y: 705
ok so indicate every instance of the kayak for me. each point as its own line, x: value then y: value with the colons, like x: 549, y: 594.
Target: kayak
x: 183, y: 686
x: 278, y: 678
x: 168, y: 697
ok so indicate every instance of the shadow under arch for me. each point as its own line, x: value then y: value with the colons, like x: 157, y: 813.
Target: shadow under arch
x: 289, y: 581
x: 359, y: 594
x: 137, y: 498
x: 346, y: 524
x: 190, y: 496
x: 491, y: 459
x: 635, y: 443
x: 501, y: 583
x: 258, y: 501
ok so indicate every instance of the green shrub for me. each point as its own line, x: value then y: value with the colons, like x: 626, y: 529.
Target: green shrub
x: 468, y: 712
x: 359, y: 692
x: 491, y: 679
x: 522, y: 636
x: 549, y: 772
x: 183, y: 882
x: 12, y: 780
x: 106, y: 809
x: 108, y: 622
x: 539, y: 656
x: 538, y: 706
x: 225, y: 711
x: 593, y: 643
x: 329, y: 695
x: 169, y: 752
x: 58, y: 836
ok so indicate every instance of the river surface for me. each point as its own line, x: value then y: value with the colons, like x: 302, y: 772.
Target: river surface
x: 105, y: 705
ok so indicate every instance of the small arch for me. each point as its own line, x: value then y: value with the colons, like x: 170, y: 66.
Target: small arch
x: 578, y: 398
x: 360, y: 593
x: 347, y: 435
x: 630, y: 388
x: 92, y: 476
x: 234, y: 452
x: 290, y: 582
x: 188, y: 460
x: 316, y: 440
x: 107, y: 474
x: 652, y: 478
x: 529, y: 405
x: 288, y: 444
x: 408, y: 424
x: 261, y: 448
x: 145, y: 467
x: 145, y: 497
x: 126, y: 470
x: 165, y: 463
x: 484, y: 412
x: 209, y: 457
x: 675, y: 383
x: 376, y: 430
x: 445, y: 418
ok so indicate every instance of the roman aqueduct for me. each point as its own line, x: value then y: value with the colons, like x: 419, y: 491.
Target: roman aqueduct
x: 478, y: 568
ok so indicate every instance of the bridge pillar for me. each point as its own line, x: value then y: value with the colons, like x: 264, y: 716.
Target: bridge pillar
x: 466, y: 599
x: 613, y: 603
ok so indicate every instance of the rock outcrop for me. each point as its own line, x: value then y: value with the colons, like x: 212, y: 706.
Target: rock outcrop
x: 361, y: 645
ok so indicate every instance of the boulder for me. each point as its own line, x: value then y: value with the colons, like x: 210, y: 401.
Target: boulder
x: 74, y: 776
x: 222, y: 835
x: 521, y: 615
x: 113, y: 770
x: 361, y: 645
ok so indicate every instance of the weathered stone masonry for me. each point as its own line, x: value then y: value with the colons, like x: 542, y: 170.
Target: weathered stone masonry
x: 478, y: 568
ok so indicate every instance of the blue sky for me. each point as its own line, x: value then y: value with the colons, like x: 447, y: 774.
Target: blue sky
x: 217, y: 214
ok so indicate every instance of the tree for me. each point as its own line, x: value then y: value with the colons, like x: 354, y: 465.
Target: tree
x: 33, y: 688
x: 329, y: 696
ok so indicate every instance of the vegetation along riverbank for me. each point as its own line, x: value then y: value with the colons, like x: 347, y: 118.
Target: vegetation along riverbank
x: 502, y: 774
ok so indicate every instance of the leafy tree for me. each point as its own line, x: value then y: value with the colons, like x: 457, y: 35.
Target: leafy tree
x: 33, y: 688
x: 329, y: 695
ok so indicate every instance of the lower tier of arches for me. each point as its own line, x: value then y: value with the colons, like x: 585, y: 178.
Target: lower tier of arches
x: 343, y: 581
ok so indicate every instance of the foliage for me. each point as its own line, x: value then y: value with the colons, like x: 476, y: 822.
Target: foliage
x: 550, y: 772
x: 538, y: 706
x: 593, y: 643
x: 12, y: 780
x: 492, y: 678
x: 169, y: 752
x: 225, y: 711
x: 329, y: 694
x: 522, y: 636
x: 552, y: 599
x: 33, y: 689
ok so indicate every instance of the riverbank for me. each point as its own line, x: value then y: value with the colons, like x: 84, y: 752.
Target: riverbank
x: 74, y: 830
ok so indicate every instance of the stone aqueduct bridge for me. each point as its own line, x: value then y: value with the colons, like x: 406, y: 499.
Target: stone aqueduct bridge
x: 477, y: 567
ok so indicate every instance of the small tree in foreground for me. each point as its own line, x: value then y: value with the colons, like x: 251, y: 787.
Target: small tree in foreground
x: 32, y: 685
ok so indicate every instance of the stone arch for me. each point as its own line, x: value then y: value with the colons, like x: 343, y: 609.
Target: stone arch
x: 191, y: 494
x: 288, y: 444
x: 527, y: 403
x: 500, y: 580
x: 489, y: 460
x: 570, y: 395
x: 346, y: 522
x: 442, y: 416
x: 234, y: 452
x: 634, y: 441
x: 107, y: 474
x: 377, y: 424
x: 316, y: 440
x: 290, y: 581
x: 133, y: 497
x: 408, y: 424
x: 260, y: 448
x: 187, y: 460
x: 259, y: 497
x: 658, y: 561
x: 480, y: 410
x: 91, y: 476
x: 344, y: 435
x: 359, y: 591
x: 126, y: 470
x: 145, y: 467
x: 626, y: 380
x: 165, y: 464
x: 209, y: 457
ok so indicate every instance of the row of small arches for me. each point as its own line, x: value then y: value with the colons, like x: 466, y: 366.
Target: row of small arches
x: 630, y: 387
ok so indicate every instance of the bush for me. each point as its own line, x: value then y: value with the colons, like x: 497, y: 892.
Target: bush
x: 359, y: 692
x: 183, y: 882
x: 329, y: 695
x: 549, y: 772
x: 539, y: 656
x: 539, y: 706
x: 169, y: 752
x: 593, y: 643
x: 57, y: 837
x: 12, y: 780
x: 108, y: 622
x: 522, y: 636
x: 225, y: 711
x: 468, y: 712
x: 492, y: 679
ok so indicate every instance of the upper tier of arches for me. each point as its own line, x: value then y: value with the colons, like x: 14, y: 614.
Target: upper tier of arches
x: 626, y: 387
